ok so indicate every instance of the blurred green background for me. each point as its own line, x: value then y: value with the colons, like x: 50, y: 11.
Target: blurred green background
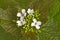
x: 50, y: 16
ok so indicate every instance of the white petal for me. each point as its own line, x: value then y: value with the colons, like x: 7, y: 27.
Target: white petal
x: 32, y: 24
x: 37, y: 27
x: 32, y: 11
x: 18, y: 21
x: 19, y: 24
x: 19, y: 14
x: 38, y: 23
x: 21, y: 18
x: 24, y: 14
x: 29, y: 11
x: 34, y: 20
x: 23, y: 10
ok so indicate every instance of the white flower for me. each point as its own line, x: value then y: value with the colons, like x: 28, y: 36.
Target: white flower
x: 36, y: 23
x: 19, y: 14
x: 20, y: 23
x: 23, y: 11
x: 30, y: 11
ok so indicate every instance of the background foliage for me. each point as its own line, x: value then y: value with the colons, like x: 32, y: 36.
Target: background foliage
x: 50, y: 17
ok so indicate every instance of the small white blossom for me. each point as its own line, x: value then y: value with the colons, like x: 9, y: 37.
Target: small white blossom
x: 19, y: 14
x: 20, y: 23
x: 30, y: 11
x: 36, y: 23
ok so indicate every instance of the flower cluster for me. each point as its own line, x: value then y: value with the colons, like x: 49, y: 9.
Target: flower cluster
x: 23, y: 14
